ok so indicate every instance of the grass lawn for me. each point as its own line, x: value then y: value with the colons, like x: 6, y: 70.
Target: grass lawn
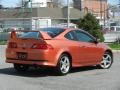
x: 3, y: 42
x: 115, y: 46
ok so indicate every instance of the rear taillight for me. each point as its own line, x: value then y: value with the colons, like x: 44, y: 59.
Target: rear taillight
x: 42, y: 46
x: 12, y: 45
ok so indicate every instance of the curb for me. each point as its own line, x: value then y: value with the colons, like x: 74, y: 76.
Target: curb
x: 3, y: 45
x: 116, y: 51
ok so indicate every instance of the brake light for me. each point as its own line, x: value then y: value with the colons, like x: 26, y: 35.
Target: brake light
x: 42, y: 46
x: 12, y: 45
x: 13, y: 34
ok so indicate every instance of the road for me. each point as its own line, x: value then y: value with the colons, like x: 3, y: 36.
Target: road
x: 85, y: 78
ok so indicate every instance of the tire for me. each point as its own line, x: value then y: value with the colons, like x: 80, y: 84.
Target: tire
x: 64, y: 65
x: 21, y: 68
x: 107, y: 61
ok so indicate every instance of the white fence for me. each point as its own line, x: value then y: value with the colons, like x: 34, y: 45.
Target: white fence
x: 111, y: 36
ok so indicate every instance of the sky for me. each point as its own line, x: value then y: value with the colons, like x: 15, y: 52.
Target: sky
x: 13, y: 3
x: 113, y: 1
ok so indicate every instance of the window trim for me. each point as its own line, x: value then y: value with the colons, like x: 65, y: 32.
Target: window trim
x: 82, y: 31
x: 75, y: 38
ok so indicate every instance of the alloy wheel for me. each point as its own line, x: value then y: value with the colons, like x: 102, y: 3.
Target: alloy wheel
x: 106, y: 61
x: 64, y: 64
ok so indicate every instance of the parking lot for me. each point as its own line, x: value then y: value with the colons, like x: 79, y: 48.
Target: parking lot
x: 85, y: 78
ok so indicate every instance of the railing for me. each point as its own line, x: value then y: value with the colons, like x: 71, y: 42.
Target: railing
x: 111, y: 36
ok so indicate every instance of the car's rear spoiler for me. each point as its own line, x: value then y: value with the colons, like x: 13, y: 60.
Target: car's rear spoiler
x: 45, y: 36
x: 13, y: 35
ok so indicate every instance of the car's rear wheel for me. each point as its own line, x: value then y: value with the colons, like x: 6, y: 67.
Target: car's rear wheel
x: 21, y: 67
x: 64, y: 65
x: 107, y: 61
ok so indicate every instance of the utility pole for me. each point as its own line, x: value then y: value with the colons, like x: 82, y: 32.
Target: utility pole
x: 30, y: 1
x: 68, y: 13
x: 104, y: 15
x: 119, y: 7
x: 31, y: 12
x: 119, y: 3
x: 26, y: 8
x: 23, y: 13
x: 101, y: 12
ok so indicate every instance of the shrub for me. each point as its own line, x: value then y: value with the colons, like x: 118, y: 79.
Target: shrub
x: 90, y: 24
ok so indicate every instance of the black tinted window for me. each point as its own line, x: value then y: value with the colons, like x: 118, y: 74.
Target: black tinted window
x: 70, y: 35
x: 82, y: 36
x: 53, y: 32
x: 31, y: 34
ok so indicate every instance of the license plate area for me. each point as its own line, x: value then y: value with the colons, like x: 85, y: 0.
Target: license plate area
x: 22, y: 56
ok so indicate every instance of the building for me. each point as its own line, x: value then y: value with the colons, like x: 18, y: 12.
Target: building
x: 38, y: 3
x: 97, y: 7
x: 114, y: 15
x: 41, y: 16
x: 77, y: 4
x: 50, y: 3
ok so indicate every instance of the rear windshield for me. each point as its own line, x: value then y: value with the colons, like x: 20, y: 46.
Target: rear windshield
x: 30, y: 34
x: 53, y: 32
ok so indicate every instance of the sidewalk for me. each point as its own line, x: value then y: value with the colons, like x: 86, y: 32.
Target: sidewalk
x: 116, y: 51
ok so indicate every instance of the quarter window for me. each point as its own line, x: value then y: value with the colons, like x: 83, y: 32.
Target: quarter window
x: 70, y: 35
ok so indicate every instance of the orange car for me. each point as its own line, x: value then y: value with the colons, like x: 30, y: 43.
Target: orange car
x: 62, y: 48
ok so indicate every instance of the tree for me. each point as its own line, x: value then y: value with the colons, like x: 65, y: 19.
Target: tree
x: 0, y: 1
x: 90, y: 24
x: 19, y: 4
x: 1, y: 6
x: 58, y: 3
x: 23, y: 3
x: 113, y: 10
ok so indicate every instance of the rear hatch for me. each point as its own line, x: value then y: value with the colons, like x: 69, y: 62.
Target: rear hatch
x: 32, y: 45
x: 33, y: 39
x: 27, y: 45
x: 27, y: 40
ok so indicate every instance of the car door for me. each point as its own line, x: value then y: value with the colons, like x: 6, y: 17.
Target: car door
x: 75, y: 49
x: 90, y: 50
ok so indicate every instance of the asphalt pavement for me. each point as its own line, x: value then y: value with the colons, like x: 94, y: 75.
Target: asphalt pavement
x: 84, y: 78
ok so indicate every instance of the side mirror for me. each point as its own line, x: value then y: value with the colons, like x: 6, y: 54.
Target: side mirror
x: 97, y: 41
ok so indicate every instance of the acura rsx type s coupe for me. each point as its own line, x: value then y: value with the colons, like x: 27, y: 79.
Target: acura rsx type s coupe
x: 61, y: 48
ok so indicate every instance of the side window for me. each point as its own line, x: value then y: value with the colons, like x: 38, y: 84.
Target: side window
x: 82, y: 36
x: 70, y: 35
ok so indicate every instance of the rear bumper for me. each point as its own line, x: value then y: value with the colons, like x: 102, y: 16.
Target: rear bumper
x: 31, y: 62
x: 34, y: 57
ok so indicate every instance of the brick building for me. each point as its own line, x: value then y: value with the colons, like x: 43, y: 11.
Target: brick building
x: 97, y: 7
x: 77, y: 4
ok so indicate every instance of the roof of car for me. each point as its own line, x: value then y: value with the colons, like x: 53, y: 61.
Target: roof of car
x: 65, y: 28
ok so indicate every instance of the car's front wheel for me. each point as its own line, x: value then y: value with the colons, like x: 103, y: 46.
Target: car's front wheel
x: 20, y: 67
x: 107, y: 61
x: 64, y: 65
